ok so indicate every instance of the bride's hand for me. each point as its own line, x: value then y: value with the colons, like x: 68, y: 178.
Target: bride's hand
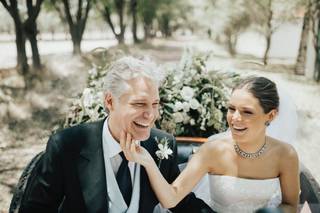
x: 133, y: 151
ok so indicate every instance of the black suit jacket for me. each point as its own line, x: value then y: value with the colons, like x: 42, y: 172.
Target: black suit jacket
x: 71, y: 175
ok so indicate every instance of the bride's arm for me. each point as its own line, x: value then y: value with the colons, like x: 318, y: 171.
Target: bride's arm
x: 169, y: 195
x: 289, y: 180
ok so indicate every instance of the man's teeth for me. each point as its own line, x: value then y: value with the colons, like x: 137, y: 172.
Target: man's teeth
x: 142, y: 125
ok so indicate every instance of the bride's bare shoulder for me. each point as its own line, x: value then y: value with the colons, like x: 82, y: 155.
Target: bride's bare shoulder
x: 218, y: 145
x: 285, y: 150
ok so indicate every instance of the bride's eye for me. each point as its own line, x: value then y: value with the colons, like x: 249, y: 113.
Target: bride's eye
x: 231, y: 109
x: 248, y: 112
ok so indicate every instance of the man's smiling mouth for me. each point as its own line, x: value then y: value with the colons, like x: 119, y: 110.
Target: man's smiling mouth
x: 141, y: 125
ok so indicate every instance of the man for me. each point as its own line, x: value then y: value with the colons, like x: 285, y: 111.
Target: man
x: 83, y: 169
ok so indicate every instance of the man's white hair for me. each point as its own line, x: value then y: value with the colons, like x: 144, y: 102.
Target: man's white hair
x: 127, y: 68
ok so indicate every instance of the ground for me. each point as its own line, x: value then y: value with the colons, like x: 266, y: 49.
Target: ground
x: 29, y: 116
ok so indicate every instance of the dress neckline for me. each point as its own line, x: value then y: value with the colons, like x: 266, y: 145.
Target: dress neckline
x: 241, y: 178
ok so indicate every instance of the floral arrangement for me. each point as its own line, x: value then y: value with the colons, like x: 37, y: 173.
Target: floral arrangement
x: 89, y: 105
x: 193, y: 98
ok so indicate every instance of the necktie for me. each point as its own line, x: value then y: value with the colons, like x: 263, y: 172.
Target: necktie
x: 124, y: 179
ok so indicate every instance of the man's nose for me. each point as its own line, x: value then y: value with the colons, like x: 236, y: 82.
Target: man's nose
x: 147, y: 113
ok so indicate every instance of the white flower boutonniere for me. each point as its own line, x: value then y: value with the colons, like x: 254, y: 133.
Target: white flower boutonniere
x: 164, y: 150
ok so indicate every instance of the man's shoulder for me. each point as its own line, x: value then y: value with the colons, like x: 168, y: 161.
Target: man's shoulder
x: 78, y: 134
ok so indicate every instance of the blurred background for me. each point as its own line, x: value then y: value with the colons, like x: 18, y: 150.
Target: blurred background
x: 48, y: 47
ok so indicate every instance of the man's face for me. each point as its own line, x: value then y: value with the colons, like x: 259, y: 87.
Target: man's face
x: 136, y: 110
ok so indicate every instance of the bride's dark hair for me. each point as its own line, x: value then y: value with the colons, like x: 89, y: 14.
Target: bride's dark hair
x: 263, y: 89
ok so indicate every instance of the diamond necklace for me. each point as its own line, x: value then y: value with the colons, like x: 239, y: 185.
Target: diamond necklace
x: 250, y: 155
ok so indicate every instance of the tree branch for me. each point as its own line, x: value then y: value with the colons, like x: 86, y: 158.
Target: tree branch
x: 68, y: 14
x: 8, y: 7
x: 107, y: 16
x: 84, y: 19
x: 79, y: 12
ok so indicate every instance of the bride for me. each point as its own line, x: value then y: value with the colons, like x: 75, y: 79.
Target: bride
x: 247, y: 171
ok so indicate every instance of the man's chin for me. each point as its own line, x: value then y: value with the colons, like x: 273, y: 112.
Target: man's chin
x: 141, y: 137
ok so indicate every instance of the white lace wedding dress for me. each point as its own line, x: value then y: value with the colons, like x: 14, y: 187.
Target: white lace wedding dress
x: 233, y: 194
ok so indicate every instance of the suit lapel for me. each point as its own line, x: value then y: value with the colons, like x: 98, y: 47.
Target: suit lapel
x: 91, y: 170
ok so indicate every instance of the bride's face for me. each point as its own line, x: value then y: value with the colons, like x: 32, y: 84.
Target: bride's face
x: 245, y: 116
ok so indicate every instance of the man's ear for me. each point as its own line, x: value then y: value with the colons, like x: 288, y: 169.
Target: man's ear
x: 109, y: 101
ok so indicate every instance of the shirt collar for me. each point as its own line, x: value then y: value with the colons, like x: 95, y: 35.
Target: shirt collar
x: 112, y: 145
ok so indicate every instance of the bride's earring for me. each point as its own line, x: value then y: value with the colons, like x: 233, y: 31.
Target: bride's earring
x: 267, y: 123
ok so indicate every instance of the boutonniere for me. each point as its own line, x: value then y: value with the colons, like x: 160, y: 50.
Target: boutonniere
x: 164, y: 150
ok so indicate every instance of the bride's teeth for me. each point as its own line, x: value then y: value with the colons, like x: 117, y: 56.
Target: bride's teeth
x: 239, y: 128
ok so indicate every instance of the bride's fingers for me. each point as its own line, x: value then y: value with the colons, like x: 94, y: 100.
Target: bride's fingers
x: 128, y: 141
x: 134, y: 146
x: 122, y: 140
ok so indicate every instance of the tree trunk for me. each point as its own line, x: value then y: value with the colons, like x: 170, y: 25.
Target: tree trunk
x: 317, y: 48
x: 22, y: 60
x: 301, y: 58
x: 147, y: 32
x: 134, y: 5
x: 76, y: 41
x: 77, y: 25
x: 268, y: 33
x: 35, y: 52
x: 107, y: 16
x: 120, y: 7
x: 266, y: 52
x: 30, y: 28
x: 231, y: 43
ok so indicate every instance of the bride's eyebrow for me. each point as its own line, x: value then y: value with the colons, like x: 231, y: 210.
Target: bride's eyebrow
x: 247, y: 108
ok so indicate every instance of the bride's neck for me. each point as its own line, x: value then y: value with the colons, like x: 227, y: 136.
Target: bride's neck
x: 251, y: 146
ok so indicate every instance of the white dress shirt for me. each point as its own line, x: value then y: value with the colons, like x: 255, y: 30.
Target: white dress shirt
x: 113, y: 149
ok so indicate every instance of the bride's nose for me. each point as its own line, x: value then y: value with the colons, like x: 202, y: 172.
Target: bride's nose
x: 236, y: 116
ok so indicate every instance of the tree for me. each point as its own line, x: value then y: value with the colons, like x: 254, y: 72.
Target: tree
x: 25, y: 29
x: 147, y: 11
x: 301, y: 58
x: 316, y: 33
x: 268, y: 15
x: 236, y: 24
x: 31, y: 31
x: 77, y: 21
x: 106, y: 8
x: 133, y: 10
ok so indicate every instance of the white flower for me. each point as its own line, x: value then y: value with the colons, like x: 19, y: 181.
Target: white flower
x: 178, y: 106
x: 187, y: 93
x: 163, y: 152
x: 87, y: 98
x: 186, y: 118
x: 177, y: 117
x: 193, y: 72
x: 192, y: 122
x: 194, y: 103
x: 186, y: 106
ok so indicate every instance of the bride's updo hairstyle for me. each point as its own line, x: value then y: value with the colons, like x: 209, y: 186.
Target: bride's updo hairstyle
x: 263, y: 89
